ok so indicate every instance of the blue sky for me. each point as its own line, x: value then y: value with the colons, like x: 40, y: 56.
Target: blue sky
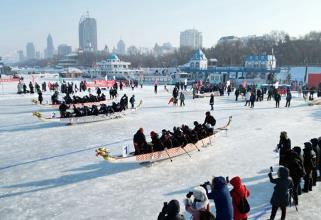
x: 145, y: 22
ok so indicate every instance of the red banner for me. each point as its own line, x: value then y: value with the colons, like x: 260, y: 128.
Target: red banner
x: 101, y: 83
x: 9, y: 80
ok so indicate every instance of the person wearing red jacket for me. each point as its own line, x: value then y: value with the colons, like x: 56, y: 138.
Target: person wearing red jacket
x: 239, y: 191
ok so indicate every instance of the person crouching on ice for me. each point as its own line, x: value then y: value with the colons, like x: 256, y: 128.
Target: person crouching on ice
x: 280, y: 197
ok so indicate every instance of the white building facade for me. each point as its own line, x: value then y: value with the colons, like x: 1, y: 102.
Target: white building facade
x: 191, y: 38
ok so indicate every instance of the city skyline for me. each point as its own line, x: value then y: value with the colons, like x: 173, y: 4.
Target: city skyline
x: 143, y: 23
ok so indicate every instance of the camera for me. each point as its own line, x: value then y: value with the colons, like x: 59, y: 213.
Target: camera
x: 164, y: 210
x: 205, y: 184
x: 227, y: 179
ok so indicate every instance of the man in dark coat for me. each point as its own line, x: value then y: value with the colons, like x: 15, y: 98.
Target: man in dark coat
x: 295, y: 165
x: 288, y: 99
x: 309, y: 163
x: 40, y: 98
x: 252, y: 99
x: 317, y: 152
x: 166, y: 139
x: 283, y: 146
x: 140, y: 143
x: 212, y: 102
x: 132, y: 101
x: 156, y: 142
x: 63, y: 109
x: 280, y: 197
x: 277, y: 98
x: 237, y: 93
x: 209, y: 122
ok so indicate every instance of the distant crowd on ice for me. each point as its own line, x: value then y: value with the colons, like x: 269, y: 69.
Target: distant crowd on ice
x: 233, y: 205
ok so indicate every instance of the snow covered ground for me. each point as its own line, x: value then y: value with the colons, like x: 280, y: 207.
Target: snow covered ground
x: 50, y: 171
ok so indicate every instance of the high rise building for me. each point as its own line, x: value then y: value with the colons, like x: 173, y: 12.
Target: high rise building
x: 30, y: 51
x: 21, y: 56
x: 49, y: 51
x: 121, y: 47
x: 87, y: 33
x: 38, y: 55
x: 191, y: 38
x: 64, y: 49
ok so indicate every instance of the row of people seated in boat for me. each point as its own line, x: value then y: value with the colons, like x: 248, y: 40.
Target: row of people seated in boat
x: 178, y: 137
x: 87, y: 111
x: 77, y: 99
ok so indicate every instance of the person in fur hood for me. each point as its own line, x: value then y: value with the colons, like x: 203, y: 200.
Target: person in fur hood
x: 200, y: 202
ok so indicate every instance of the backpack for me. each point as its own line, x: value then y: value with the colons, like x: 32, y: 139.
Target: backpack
x: 244, y: 206
x: 206, y: 215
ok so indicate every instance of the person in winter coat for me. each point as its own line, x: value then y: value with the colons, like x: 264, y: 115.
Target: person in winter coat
x: 199, y: 204
x: 252, y: 99
x: 294, y: 163
x: 40, y: 98
x: 280, y: 196
x: 239, y: 191
x: 156, y: 142
x: 319, y: 143
x: 212, y: 102
x: 288, y: 99
x: 237, y: 93
x: 170, y: 211
x: 209, y: 122
x: 222, y: 198
x: 182, y: 99
x: 31, y: 88
x: 277, y: 98
x: 247, y: 98
x: 132, y: 101
x: 140, y: 143
x: 309, y: 162
x: 316, y: 149
x: 283, y: 146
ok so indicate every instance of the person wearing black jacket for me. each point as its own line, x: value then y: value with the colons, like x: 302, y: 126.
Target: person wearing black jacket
x: 166, y: 139
x: 309, y: 163
x: 317, y: 152
x: 237, y: 93
x: 170, y: 211
x: 212, y: 102
x: 156, y: 142
x: 295, y: 165
x: 63, y: 109
x: 140, y: 143
x: 283, y: 146
x: 40, y: 98
x: 277, y: 98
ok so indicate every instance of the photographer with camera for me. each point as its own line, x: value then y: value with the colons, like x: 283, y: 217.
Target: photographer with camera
x: 280, y: 196
x: 199, y: 208
x: 170, y: 211
x: 221, y: 196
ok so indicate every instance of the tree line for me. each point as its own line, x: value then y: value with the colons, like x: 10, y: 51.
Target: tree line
x: 305, y: 50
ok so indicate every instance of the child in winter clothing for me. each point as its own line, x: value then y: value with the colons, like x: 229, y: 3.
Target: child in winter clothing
x: 239, y: 191
x: 280, y: 197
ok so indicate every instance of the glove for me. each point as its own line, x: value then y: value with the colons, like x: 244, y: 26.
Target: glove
x: 187, y: 202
